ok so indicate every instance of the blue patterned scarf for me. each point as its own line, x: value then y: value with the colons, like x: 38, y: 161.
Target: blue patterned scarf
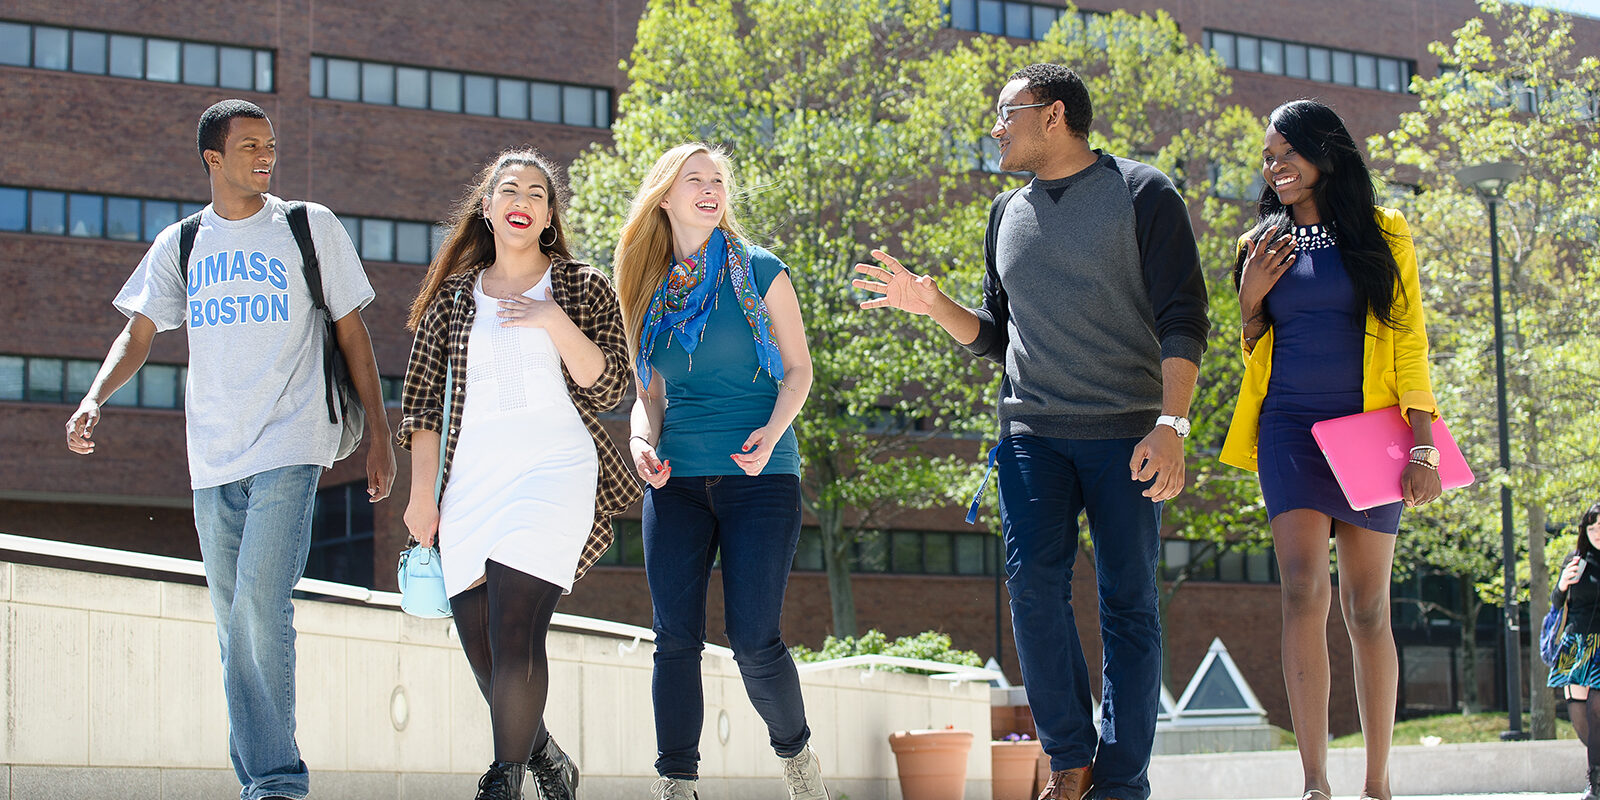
x: 685, y: 299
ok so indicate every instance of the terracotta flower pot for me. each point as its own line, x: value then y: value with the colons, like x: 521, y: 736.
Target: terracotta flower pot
x: 1015, y: 772
x: 932, y: 764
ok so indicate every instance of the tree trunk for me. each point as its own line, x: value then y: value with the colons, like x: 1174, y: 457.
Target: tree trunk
x: 1471, y: 606
x: 1542, y: 705
x: 836, y: 556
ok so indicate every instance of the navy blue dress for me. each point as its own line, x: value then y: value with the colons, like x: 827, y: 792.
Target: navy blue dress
x: 1318, y: 328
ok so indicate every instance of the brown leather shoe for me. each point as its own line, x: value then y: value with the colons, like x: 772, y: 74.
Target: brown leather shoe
x: 1066, y: 784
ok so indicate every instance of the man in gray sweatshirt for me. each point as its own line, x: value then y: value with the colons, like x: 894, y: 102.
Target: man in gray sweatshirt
x: 1094, y: 303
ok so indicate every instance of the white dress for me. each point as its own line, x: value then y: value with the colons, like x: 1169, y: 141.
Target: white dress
x: 522, y: 480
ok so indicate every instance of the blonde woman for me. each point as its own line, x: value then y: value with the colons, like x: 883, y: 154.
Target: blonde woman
x: 719, y: 347
x: 532, y: 341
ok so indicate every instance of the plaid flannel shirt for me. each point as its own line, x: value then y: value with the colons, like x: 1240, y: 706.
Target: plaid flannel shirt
x: 441, y: 342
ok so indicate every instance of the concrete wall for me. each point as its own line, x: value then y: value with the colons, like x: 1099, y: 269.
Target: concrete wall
x: 112, y: 688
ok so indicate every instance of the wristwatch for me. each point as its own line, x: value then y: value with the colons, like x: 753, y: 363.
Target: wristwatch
x: 1425, y: 455
x: 1179, y: 424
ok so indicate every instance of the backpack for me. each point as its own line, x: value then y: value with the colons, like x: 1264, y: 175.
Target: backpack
x: 335, y: 371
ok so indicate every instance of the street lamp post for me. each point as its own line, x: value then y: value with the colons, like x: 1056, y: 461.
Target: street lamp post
x: 1489, y: 181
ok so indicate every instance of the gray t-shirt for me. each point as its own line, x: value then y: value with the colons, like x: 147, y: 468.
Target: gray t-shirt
x: 254, y: 400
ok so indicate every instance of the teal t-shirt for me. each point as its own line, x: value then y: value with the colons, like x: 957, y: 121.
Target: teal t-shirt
x: 713, y: 408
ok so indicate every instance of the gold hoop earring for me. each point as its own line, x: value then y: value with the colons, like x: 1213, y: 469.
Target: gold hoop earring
x: 553, y: 236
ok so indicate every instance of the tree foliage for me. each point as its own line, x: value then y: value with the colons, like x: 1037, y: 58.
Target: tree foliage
x: 1514, y: 90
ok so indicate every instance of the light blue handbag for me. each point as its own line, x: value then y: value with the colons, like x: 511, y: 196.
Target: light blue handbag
x: 420, y: 574
x: 422, y: 583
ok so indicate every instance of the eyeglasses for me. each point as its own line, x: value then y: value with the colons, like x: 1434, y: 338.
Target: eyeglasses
x: 1004, y: 114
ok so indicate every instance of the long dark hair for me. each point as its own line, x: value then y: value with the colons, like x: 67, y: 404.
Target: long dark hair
x: 1346, y: 199
x: 470, y: 242
x: 1589, y: 518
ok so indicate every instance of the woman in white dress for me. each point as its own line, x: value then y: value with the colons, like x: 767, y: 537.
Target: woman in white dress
x: 532, y: 344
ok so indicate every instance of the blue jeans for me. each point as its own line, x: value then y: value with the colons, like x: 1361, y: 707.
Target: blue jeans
x: 754, y: 522
x: 1044, y: 484
x: 254, y: 536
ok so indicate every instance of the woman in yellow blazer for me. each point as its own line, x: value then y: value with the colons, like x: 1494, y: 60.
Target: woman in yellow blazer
x: 1333, y: 325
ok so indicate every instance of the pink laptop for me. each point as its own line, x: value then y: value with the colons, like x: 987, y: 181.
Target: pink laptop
x: 1368, y: 452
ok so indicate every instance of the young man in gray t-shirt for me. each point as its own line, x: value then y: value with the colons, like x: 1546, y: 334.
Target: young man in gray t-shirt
x: 1095, y: 306
x: 259, y: 434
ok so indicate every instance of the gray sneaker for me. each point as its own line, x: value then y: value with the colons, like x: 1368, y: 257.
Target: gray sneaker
x: 674, y: 789
x: 803, y: 775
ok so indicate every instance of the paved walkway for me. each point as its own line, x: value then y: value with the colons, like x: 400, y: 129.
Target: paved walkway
x: 1531, y: 796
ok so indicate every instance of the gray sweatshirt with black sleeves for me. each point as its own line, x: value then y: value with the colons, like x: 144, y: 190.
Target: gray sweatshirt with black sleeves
x: 1091, y: 280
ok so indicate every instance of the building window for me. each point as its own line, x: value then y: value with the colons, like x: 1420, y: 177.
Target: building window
x: 1013, y: 18
x: 457, y: 92
x: 341, y: 535
x: 1233, y: 185
x: 1326, y: 65
x: 36, y: 379
x: 395, y: 240
x: 914, y: 552
x: 1205, y: 564
x: 908, y: 552
x: 627, y: 550
x: 392, y: 388
x: 808, y: 553
x: 87, y: 215
x: 136, y: 219
x: 122, y: 55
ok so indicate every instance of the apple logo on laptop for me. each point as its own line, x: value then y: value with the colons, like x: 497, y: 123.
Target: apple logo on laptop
x: 1394, y: 451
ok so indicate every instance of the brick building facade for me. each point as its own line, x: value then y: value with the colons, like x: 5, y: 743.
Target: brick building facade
x: 379, y: 112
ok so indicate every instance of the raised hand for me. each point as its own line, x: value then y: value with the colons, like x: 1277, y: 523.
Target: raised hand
x: 1570, y: 573
x: 525, y: 312
x: 897, y: 286
x: 1264, y: 263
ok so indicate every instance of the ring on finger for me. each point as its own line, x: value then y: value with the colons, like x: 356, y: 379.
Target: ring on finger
x: 1271, y: 252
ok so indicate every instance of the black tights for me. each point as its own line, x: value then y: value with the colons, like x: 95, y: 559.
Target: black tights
x: 1578, y: 716
x: 502, y: 623
x: 1591, y: 718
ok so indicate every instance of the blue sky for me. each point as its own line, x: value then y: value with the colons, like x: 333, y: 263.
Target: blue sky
x: 1589, y: 8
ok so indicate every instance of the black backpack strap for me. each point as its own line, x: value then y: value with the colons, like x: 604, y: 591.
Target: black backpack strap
x: 992, y: 235
x: 300, y: 226
x: 187, y: 230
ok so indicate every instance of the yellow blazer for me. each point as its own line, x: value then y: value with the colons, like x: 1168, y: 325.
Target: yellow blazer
x: 1394, y: 363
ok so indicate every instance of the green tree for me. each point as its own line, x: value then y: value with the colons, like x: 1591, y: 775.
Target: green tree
x: 858, y: 123
x: 1514, y: 90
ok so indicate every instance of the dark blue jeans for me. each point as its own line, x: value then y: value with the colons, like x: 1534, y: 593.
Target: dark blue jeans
x: 1044, y: 484
x: 754, y: 522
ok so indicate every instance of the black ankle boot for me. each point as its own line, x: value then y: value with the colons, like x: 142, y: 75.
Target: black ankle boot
x: 553, y: 772
x: 503, y: 781
x: 1593, y: 791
